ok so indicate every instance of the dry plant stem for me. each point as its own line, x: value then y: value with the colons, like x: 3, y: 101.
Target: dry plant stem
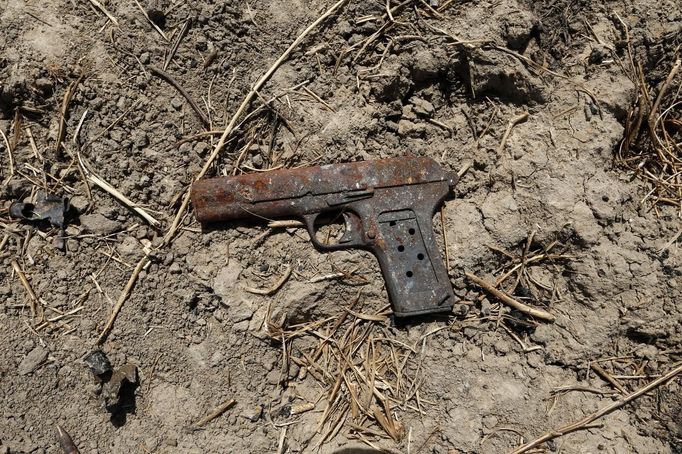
x: 302, y: 408
x: 156, y: 27
x: 122, y: 299
x: 608, y: 377
x: 653, y: 114
x: 101, y: 7
x: 281, y: 446
x: 242, y: 108
x: 465, y: 168
x: 176, y: 44
x: 9, y: 153
x: 285, y: 224
x: 98, y: 181
x: 65, y: 107
x: 587, y: 420
x: 513, y: 122
x: 34, y: 302
x: 511, y: 302
x: 219, y: 410
x: 195, y: 107
x: 280, y: 282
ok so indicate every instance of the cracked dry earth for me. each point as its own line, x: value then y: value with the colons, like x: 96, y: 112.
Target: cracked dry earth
x: 439, y: 79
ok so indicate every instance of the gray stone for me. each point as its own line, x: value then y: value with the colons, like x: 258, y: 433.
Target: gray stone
x: 31, y: 361
x: 98, y: 224
x: 175, y: 268
x: 176, y: 103
x: 543, y: 334
x: 129, y: 247
x: 140, y: 139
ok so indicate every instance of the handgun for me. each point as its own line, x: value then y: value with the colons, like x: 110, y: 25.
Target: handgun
x: 386, y: 206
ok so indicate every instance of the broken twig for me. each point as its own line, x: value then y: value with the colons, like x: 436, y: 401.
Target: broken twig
x: 34, y: 302
x: 98, y: 181
x: 513, y: 122
x: 509, y: 301
x: 219, y: 410
x: 122, y: 299
x: 167, y: 77
x: 274, y: 288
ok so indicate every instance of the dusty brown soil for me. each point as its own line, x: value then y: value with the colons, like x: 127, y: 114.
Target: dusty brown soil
x: 481, y: 380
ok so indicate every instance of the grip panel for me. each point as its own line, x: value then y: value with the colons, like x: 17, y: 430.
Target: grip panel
x: 416, y: 279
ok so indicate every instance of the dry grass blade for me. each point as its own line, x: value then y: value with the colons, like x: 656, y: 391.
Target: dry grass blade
x: 10, y: 155
x: 176, y: 44
x: 34, y: 302
x: 106, y: 12
x: 122, y: 299
x: 64, y: 113
x: 156, y: 27
x: 98, y: 181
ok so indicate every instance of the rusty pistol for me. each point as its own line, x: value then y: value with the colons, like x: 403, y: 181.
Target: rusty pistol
x: 387, y: 207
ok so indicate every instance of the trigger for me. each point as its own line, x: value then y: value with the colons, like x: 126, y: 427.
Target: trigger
x: 353, y: 228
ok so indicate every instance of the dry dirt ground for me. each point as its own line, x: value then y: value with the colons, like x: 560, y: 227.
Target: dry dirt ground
x: 306, y: 373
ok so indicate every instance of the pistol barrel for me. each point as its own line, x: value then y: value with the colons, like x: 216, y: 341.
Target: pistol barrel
x: 295, y: 192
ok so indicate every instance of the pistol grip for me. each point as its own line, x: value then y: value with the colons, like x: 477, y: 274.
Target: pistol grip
x: 416, y: 278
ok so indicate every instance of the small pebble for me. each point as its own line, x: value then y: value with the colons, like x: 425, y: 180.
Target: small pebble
x: 176, y: 103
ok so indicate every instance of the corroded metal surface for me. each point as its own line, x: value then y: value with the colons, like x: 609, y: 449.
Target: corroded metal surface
x: 387, y: 206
